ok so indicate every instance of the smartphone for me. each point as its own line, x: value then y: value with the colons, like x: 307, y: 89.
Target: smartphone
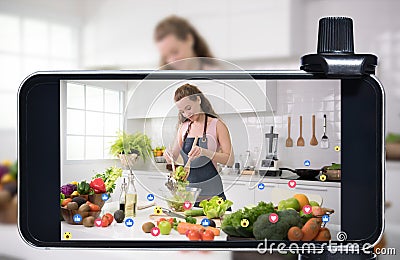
x: 305, y: 148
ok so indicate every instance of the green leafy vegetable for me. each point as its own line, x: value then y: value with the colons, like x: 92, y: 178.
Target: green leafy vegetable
x: 393, y: 138
x: 215, y: 207
x: 191, y: 220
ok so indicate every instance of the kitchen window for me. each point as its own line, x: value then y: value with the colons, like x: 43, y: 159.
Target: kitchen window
x: 93, y: 117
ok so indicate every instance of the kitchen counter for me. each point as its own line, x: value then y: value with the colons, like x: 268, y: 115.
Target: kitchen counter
x: 118, y: 231
x: 251, y: 179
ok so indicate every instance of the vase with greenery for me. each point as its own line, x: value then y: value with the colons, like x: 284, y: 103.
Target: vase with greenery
x: 129, y: 147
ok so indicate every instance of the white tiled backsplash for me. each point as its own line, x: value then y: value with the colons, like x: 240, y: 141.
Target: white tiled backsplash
x: 294, y: 98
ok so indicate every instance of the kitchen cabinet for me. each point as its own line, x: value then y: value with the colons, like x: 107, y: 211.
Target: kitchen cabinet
x: 240, y: 193
x: 154, y: 99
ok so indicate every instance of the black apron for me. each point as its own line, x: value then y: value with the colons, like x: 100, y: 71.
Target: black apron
x: 203, y: 174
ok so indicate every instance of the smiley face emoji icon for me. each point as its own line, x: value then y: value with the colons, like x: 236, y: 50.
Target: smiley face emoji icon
x: 67, y: 235
x: 244, y: 223
x: 322, y: 177
x: 337, y: 148
x: 158, y: 210
x: 220, y: 201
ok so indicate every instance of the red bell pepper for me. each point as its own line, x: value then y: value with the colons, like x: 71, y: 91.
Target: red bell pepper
x: 98, y: 186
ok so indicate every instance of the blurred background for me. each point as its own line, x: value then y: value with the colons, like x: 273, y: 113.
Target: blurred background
x: 105, y: 34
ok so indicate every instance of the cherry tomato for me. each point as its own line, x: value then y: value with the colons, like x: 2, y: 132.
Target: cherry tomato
x: 207, y: 235
x: 194, y: 235
x: 110, y: 217
x: 105, y: 221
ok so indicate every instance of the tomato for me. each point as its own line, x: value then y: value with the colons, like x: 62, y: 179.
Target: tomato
x: 194, y: 235
x: 207, y: 235
x: 160, y: 220
x: 105, y: 221
x: 110, y: 217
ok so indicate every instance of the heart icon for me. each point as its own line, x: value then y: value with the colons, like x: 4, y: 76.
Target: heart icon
x: 155, y: 231
x: 273, y: 218
x: 97, y: 222
x: 187, y: 205
x: 292, y: 184
x: 307, y: 209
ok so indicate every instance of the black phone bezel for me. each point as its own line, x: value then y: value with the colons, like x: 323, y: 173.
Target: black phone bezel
x: 362, y: 125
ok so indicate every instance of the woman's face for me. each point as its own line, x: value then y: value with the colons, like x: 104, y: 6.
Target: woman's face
x: 173, y: 49
x: 189, y: 108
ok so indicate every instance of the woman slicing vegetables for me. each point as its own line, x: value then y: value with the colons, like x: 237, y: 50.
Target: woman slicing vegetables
x: 198, y: 119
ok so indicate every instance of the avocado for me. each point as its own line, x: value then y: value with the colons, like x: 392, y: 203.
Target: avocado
x: 72, y: 205
x: 119, y: 216
x: 79, y: 200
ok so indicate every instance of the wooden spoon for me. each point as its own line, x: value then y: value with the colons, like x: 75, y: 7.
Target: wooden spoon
x: 187, y: 165
x: 314, y: 140
x: 289, y: 141
x: 300, y: 141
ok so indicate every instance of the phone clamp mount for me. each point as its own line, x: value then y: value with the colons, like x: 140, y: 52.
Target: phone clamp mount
x: 335, y: 51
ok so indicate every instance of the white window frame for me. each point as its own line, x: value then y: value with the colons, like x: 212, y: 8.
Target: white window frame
x: 63, y: 124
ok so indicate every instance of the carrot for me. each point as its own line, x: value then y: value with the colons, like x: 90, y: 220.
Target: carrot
x: 295, y: 234
x: 311, y: 229
x: 323, y: 235
x: 66, y: 201
x: 184, y: 226
x: 216, y: 231
x: 94, y: 207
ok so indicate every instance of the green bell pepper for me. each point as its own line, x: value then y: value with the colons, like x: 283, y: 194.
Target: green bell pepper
x: 83, y: 188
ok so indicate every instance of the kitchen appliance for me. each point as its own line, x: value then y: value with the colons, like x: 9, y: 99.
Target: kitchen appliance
x: 269, y: 166
x: 306, y: 174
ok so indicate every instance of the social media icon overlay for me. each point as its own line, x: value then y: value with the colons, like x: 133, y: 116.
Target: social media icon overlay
x: 205, y: 222
x: 325, y: 218
x: 150, y: 197
x: 307, y: 163
x: 67, y: 235
x: 292, y: 184
x: 187, y: 205
x: 307, y: 209
x: 261, y: 186
x: 322, y: 177
x: 155, y: 231
x: 105, y: 197
x: 77, y: 218
x: 273, y: 218
x: 158, y: 210
x: 337, y: 148
x: 97, y: 222
x: 244, y: 222
x: 129, y: 222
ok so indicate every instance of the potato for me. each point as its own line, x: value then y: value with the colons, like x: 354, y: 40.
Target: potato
x: 72, y: 206
x: 84, y: 208
x: 88, y: 221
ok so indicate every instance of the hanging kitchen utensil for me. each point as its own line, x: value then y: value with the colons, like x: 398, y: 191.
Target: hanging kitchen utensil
x: 324, y: 140
x: 300, y: 140
x: 289, y: 141
x: 313, y: 140
x: 187, y: 165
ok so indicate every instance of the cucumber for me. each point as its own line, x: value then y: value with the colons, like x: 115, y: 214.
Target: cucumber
x: 194, y: 212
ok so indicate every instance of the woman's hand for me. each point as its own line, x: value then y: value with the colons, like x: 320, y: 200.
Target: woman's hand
x: 168, y: 157
x: 195, y: 152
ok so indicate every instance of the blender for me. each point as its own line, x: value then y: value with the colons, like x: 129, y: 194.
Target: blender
x: 269, y: 166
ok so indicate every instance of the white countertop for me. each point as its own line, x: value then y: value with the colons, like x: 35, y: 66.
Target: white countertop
x: 118, y: 231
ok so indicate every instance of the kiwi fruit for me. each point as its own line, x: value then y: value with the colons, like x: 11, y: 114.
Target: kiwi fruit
x: 88, y: 221
x: 72, y: 205
x: 147, y: 227
x: 84, y: 208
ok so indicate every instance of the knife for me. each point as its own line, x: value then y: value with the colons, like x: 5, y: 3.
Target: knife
x: 170, y: 213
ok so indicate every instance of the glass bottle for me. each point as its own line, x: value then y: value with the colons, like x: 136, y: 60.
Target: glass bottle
x: 130, y: 197
x: 122, y: 197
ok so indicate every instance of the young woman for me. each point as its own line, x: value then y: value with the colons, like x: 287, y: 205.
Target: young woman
x: 198, y: 119
x: 177, y: 39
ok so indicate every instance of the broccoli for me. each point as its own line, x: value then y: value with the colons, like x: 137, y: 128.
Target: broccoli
x: 263, y: 228
x: 232, y: 223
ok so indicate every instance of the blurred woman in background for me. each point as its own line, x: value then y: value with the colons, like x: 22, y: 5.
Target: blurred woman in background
x: 177, y: 39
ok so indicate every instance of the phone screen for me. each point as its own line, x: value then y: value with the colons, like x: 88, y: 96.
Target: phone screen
x: 221, y: 160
